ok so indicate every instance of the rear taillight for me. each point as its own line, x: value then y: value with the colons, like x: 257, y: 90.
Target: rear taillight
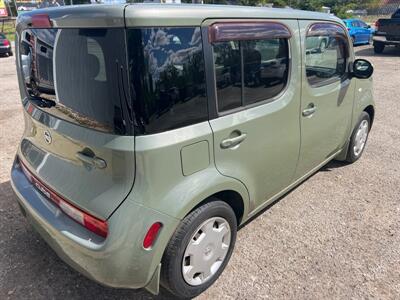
x: 377, y: 25
x: 90, y: 222
x: 6, y: 43
x: 151, y: 235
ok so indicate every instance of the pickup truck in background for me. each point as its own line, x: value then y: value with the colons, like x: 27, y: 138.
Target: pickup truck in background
x: 387, y: 32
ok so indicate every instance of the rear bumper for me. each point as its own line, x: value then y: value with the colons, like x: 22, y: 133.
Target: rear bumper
x: 383, y: 39
x: 5, y: 49
x: 117, y: 261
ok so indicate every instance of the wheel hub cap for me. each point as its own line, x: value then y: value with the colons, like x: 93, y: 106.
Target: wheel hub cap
x: 206, y: 251
x: 361, y: 137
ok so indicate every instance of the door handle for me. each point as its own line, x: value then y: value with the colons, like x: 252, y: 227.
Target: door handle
x: 232, y: 142
x: 310, y: 110
x: 94, y: 161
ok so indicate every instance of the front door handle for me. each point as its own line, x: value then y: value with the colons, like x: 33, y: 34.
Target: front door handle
x: 232, y: 142
x: 310, y: 110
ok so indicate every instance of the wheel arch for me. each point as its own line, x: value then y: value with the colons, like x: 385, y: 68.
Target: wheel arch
x: 195, y: 190
x: 230, y: 197
x: 370, y: 110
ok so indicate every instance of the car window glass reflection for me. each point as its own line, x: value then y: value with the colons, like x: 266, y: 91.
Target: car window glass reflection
x: 89, y: 86
x: 228, y: 75
x: 326, y: 56
x: 167, y: 78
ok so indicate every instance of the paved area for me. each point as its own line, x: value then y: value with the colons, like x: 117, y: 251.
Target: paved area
x: 336, y: 236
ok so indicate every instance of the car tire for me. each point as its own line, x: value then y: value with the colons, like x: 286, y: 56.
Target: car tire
x: 379, y: 47
x: 10, y: 53
x: 359, y: 137
x: 199, y: 249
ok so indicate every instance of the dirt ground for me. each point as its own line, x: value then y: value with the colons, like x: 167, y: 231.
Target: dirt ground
x: 336, y: 236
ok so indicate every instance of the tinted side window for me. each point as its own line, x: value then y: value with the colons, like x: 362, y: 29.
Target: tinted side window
x: 265, y: 69
x: 228, y: 75
x: 326, y: 54
x: 250, y: 71
x: 167, y: 78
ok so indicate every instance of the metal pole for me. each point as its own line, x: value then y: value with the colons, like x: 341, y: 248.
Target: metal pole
x: 9, y: 8
x: 16, y: 7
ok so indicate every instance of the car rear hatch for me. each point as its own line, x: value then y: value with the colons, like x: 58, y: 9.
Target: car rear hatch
x: 391, y: 28
x: 78, y: 138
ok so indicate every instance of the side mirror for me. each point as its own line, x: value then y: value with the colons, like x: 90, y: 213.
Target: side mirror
x: 368, y: 26
x: 362, y: 69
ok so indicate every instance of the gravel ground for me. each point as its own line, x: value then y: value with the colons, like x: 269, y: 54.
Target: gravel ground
x: 336, y: 236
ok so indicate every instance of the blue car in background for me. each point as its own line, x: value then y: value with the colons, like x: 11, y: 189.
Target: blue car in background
x: 360, y: 32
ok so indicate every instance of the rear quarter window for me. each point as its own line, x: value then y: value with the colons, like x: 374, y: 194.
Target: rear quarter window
x: 167, y: 78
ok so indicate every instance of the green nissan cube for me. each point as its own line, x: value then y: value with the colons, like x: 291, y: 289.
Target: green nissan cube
x: 153, y: 131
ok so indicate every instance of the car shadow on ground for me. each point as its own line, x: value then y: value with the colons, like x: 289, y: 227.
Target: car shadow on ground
x: 334, y: 164
x: 368, y: 52
x: 29, y: 268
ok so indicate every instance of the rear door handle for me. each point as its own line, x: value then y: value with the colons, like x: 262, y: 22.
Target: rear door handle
x: 310, y: 110
x: 93, y: 161
x: 232, y: 142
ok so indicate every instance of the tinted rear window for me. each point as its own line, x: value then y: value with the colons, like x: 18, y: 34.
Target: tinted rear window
x: 167, y: 79
x: 78, y: 75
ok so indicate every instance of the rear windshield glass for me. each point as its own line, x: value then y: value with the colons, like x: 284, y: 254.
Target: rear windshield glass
x: 167, y: 80
x: 78, y: 75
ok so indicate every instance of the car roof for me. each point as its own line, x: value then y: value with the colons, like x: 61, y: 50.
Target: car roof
x: 159, y: 14
x: 143, y: 14
x: 350, y: 20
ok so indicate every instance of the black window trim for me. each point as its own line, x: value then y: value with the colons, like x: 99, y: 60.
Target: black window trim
x: 335, y: 79
x: 211, y: 76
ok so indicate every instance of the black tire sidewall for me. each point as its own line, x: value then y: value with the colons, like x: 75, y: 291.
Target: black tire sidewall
x: 378, y: 48
x: 351, y: 157
x: 172, y: 279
